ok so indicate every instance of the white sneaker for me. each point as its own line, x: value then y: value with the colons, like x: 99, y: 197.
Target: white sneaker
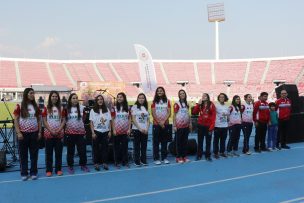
x: 270, y: 149
x: 24, y: 178
x: 230, y: 154
x: 248, y: 153
x: 166, y: 161
x: 157, y: 162
x: 34, y: 177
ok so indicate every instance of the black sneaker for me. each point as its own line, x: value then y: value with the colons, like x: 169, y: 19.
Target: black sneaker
x: 216, y: 156
x: 127, y: 165
x: 223, y: 155
x: 97, y: 168
x: 117, y: 165
x: 257, y: 150
x: 144, y: 163
x: 208, y: 159
x: 137, y: 163
x: 285, y: 147
x: 198, y: 158
x: 105, y: 167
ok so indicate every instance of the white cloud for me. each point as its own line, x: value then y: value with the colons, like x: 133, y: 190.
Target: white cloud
x: 48, y: 42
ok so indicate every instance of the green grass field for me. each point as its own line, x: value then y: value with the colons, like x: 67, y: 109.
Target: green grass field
x: 4, y: 115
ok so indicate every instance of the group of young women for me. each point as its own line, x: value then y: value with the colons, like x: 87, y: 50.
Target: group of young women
x: 119, y: 121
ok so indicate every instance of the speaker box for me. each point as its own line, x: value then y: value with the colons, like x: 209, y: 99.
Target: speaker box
x: 296, y: 128
x: 191, y: 147
x: 293, y: 95
x: 2, y: 160
x: 301, y: 103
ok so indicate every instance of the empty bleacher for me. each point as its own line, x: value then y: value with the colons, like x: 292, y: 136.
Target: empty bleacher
x: 250, y: 76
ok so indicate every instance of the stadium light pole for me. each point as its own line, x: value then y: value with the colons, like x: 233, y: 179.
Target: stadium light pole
x: 228, y: 83
x: 216, y: 14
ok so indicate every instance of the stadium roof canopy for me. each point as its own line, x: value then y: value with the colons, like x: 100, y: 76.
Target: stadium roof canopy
x: 48, y: 88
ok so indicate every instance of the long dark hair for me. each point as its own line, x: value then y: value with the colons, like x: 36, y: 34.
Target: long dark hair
x: 145, y: 104
x: 208, y: 102
x: 103, y: 107
x: 180, y: 100
x: 124, y: 104
x: 50, y: 104
x: 25, y: 102
x: 70, y: 106
x: 233, y: 103
x: 157, y: 98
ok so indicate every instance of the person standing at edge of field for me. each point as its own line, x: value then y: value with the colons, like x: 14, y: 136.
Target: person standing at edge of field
x: 247, y: 122
x: 261, y: 116
x: 28, y: 131
x: 75, y: 133
x: 121, y: 126
x: 221, y: 126
x: 161, y: 112
x: 140, y: 127
x: 205, y: 125
x: 283, y: 107
x: 182, y: 126
x: 54, y: 122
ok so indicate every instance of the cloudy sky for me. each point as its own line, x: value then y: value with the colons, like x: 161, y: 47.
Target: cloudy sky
x: 170, y: 29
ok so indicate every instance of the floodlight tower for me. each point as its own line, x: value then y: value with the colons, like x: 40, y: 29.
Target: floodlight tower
x: 216, y: 14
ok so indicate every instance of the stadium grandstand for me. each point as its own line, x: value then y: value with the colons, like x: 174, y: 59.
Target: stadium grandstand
x: 196, y: 76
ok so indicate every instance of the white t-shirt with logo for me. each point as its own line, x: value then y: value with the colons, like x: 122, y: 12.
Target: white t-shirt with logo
x: 221, y: 119
x: 141, y: 116
x: 101, y: 121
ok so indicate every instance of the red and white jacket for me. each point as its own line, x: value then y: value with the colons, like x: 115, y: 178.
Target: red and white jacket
x: 161, y: 111
x: 54, y: 120
x: 261, y: 112
x: 121, y: 121
x: 182, y: 117
x: 283, y: 107
x: 206, y: 116
x: 30, y: 123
